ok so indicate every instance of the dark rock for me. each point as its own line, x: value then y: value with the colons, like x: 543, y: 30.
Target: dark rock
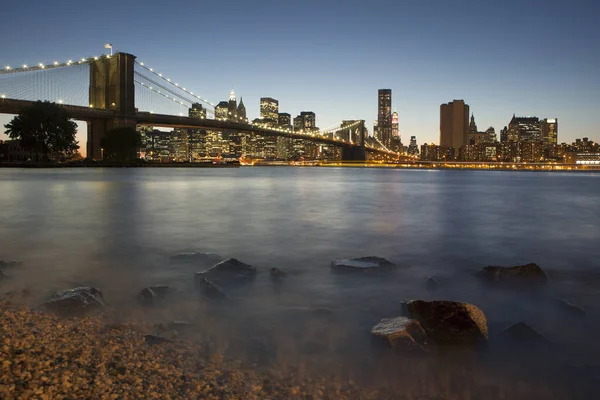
x: 206, y: 257
x: 449, y: 322
x: 153, y: 294
x: 76, y: 301
x: 569, y: 308
x: 208, y: 288
x: 400, y: 331
x: 12, y: 263
x: 276, y: 273
x: 521, y: 333
x: 362, y: 264
x: 520, y: 274
x: 432, y: 283
x: 154, y: 340
x: 230, y: 271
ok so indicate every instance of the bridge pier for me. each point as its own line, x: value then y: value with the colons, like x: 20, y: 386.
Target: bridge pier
x: 111, y: 88
x: 354, y: 153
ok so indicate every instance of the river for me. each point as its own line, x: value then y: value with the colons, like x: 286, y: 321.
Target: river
x: 117, y: 229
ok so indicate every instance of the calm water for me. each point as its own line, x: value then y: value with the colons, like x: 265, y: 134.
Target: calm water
x: 118, y: 228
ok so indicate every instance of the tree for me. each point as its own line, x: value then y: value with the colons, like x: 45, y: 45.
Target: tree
x: 45, y: 127
x: 121, y: 144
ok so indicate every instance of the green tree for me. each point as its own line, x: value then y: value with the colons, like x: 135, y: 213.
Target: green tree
x: 121, y: 144
x: 45, y: 127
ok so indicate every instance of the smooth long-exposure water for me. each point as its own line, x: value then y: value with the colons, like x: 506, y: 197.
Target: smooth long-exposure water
x: 117, y: 229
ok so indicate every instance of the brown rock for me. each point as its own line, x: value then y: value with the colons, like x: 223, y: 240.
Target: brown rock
x: 400, y: 330
x: 528, y: 273
x: 449, y: 322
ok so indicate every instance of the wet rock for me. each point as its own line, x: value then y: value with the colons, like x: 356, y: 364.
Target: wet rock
x: 192, y: 256
x: 449, y: 322
x: 12, y: 263
x: 276, y: 273
x: 569, y: 308
x: 153, y: 294
x: 229, y: 271
x: 208, y: 288
x: 400, y: 331
x: 520, y: 274
x: 154, y: 340
x: 521, y: 333
x: 76, y: 301
x: 432, y: 283
x: 362, y: 264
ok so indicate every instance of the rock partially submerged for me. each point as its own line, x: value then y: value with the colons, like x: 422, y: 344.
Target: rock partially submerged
x: 362, y: 264
x: 153, y: 294
x: 400, y: 331
x: 76, y: 301
x: 208, y: 288
x: 521, y: 333
x: 520, y: 274
x: 226, y: 272
x: 569, y: 308
x: 449, y: 322
x: 194, y: 256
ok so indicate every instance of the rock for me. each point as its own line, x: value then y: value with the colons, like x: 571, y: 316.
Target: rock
x: 208, y: 257
x: 276, y: 273
x: 153, y: 294
x: 154, y: 340
x: 449, y: 322
x: 12, y: 263
x: 570, y: 308
x: 400, y: 330
x: 229, y: 271
x: 528, y: 273
x: 432, y: 283
x: 362, y: 264
x: 521, y: 333
x: 208, y: 288
x: 76, y: 301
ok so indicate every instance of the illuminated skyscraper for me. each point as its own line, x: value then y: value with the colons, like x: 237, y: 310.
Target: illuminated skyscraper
x: 524, y: 129
x: 395, y: 130
x: 549, y: 128
x: 221, y: 110
x: 384, y: 116
x: 232, y: 107
x: 269, y: 110
x: 197, y: 111
x: 241, y: 110
x: 454, y: 124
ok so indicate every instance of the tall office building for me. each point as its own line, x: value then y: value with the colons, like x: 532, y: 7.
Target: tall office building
x: 241, y: 110
x: 269, y: 109
x: 384, y: 116
x: 472, y: 125
x: 395, y: 127
x: 504, y: 135
x: 413, y: 148
x: 549, y: 131
x: 454, y: 124
x: 197, y: 111
x: 232, y: 107
x: 524, y: 129
x: 222, y: 110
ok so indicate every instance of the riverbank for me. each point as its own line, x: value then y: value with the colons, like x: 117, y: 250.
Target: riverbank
x: 48, y: 357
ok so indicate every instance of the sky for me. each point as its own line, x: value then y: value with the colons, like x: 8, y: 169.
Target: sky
x: 526, y: 57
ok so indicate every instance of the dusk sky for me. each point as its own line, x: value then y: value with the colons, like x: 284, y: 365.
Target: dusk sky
x: 529, y: 57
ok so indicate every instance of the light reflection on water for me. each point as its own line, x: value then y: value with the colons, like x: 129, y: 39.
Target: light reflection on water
x: 117, y: 228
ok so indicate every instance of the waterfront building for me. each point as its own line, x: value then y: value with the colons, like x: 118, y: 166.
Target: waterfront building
x: 197, y: 111
x: 524, y: 129
x: 384, y: 116
x: 284, y: 144
x: 269, y: 110
x: 491, y: 134
x: 472, y: 125
x: 395, y: 125
x: 241, y: 111
x: 222, y: 110
x: 504, y: 135
x: 454, y: 124
x: 413, y: 148
x: 549, y: 136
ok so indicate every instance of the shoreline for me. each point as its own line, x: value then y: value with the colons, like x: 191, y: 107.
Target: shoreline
x: 409, y: 167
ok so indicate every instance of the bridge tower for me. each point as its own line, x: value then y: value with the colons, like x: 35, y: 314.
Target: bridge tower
x: 111, y: 88
x: 356, y: 153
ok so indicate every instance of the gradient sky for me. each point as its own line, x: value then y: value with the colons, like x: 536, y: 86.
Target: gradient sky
x: 529, y: 57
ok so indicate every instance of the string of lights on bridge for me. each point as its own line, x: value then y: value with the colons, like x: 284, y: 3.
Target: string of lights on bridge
x: 55, y: 64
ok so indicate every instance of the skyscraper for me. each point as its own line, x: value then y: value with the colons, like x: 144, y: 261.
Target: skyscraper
x: 454, y: 124
x: 524, y: 129
x: 241, y: 110
x: 221, y: 110
x: 232, y: 107
x: 549, y: 128
x: 197, y: 111
x: 395, y: 130
x: 269, y: 108
x: 384, y: 116
x: 413, y: 148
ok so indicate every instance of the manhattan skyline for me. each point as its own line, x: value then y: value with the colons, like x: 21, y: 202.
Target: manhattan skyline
x: 531, y: 58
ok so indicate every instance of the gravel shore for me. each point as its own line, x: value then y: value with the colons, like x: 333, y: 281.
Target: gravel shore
x: 44, y: 356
